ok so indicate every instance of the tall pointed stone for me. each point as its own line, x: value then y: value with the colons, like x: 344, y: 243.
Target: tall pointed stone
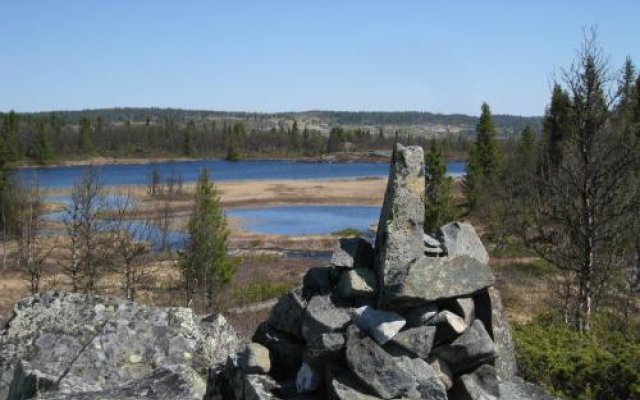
x: 400, y: 237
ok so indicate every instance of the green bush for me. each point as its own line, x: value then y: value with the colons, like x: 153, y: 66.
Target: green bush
x: 604, y: 364
x: 256, y: 292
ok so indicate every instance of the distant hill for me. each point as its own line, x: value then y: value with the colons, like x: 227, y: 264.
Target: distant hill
x: 406, y: 122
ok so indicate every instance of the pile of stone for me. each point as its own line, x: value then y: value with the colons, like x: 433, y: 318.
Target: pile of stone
x: 413, y: 317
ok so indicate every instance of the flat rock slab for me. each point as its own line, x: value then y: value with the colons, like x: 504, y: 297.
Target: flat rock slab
x: 380, y: 325
x: 323, y: 316
x: 375, y: 369
x: 459, y: 239
x: 162, y: 384
x: 400, y: 236
x: 124, y: 341
x: 469, y: 350
x: 430, y: 279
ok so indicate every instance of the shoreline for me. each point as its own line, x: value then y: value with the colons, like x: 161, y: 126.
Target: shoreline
x: 101, y: 161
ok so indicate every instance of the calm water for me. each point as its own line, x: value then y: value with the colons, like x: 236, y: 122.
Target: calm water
x: 138, y: 174
x: 305, y: 220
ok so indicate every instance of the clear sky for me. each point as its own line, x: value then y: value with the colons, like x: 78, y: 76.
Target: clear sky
x: 439, y: 56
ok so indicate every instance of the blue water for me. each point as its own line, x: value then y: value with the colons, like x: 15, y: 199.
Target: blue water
x: 305, y: 220
x: 139, y: 174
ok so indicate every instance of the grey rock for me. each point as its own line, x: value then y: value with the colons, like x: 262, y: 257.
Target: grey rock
x: 327, y: 348
x: 469, y: 350
x: 400, y: 236
x: 430, y: 241
x: 317, y: 280
x: 342, y: 385
x: 460, y: 238
x: 380, y: 325
x: 517, y: 389
x: 285, y: 350
x: 421, y: 315
x: 124, y: 341
x: 442, y: 371
x: 449, y: 326
x: 375, y: 369
x: 494, y: 317
x: 255, y: 359
x: 427, y: 385
x: 286, y: 316
x: 248, y: 386
x: 429, y: 279
x: 323, y: 316
x: 307, y: 380
x: 481, y: 384
x: 352, y: 253
x: 463, y: 307
x: 417, y: 341
x: 357, y: 282
x: 433, y: 252
x: 162, y: 384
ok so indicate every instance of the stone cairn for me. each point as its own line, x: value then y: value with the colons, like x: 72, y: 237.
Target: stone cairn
x: 413, y: 317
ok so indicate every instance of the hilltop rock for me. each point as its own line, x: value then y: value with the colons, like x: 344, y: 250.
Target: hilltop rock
x: 400, y: 236
x: 118, y: 344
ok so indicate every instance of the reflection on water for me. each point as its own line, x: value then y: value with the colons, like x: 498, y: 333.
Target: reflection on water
x: 305, y: 220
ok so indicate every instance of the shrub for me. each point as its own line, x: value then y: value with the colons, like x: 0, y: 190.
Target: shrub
x: 603, y: 364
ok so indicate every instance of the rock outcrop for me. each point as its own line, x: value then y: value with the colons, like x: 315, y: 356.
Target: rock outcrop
x: 74, y: 346
x: 416, y: 317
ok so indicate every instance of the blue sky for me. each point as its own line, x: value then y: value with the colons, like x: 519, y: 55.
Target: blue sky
x: 275, y: 55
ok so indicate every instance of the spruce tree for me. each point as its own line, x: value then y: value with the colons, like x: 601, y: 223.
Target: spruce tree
x: 439, y: 202
x: 485, y: 163
x: 43, y: 150
x: 555, y: 130
x: 205, y: 264
x: 86, y: 140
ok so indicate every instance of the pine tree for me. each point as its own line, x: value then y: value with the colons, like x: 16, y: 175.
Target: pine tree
x: 485, y: 158
x: 295, y: 136
x: 439, y: 202
x: 205, y: 264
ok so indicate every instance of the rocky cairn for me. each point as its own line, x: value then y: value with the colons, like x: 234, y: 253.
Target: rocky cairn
x: 414, y: 316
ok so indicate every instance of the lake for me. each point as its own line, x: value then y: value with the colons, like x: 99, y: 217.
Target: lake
x: 139, y: 174
x: 305, y: 220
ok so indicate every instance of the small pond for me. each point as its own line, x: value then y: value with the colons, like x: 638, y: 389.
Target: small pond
x: 305, y: 220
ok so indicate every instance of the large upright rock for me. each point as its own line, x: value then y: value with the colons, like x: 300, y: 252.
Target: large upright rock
x: 106, y: 343
x: 400, y: 237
